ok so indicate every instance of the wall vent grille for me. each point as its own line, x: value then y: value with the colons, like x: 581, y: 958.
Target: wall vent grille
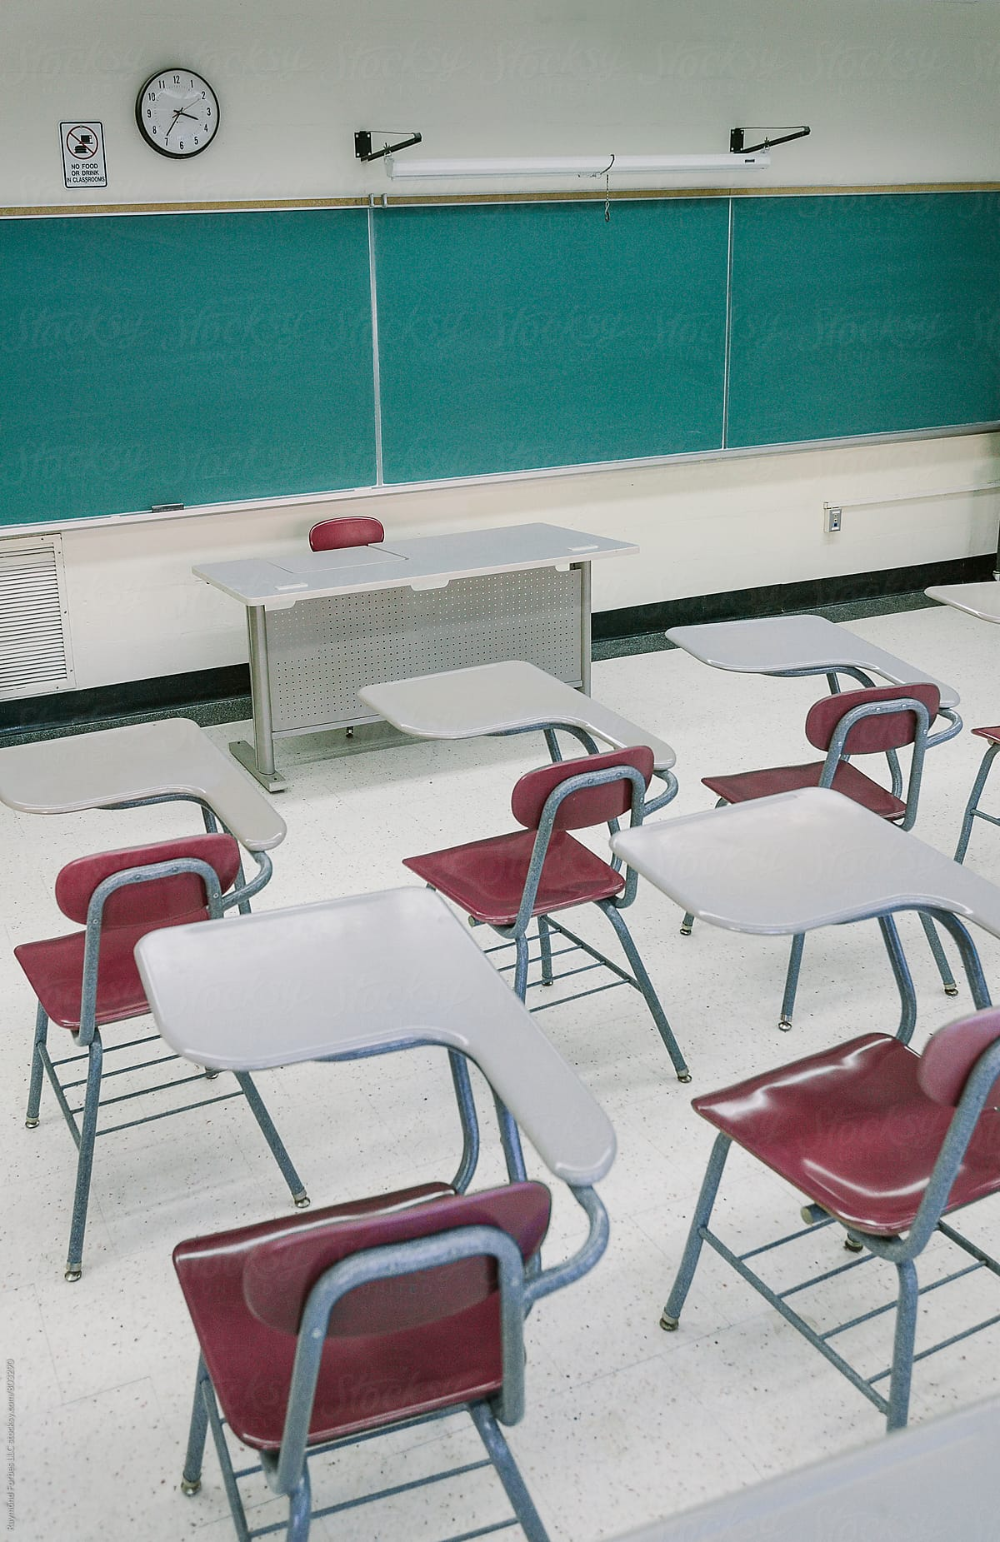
x: 35, y: 653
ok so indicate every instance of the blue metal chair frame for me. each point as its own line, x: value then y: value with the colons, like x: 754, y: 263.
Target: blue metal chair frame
x: 834, y: 756
x: 287, y: 1471
x: 517, y: 936
x: 88, y: 1039
x: 972, y: 809
x: 899, y: 1250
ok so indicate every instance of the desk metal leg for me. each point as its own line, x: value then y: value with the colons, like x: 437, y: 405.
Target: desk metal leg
x: 586, y: 643
x: 259, y: 760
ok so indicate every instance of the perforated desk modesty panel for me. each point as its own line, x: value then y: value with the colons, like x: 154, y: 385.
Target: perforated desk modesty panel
x: 323, y: 653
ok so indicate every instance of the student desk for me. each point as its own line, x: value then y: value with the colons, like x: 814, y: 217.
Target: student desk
x: 800, y: 645
x: 798, y: 861
x: 980, y: 600
x: 811, y: 858
x: 404, y: 608
x: 311, y: 983
x: 511, y: 697
x: 929, y: 1482
x: 142, y: 763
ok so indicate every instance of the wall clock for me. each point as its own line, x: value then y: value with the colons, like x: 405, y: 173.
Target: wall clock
x: 177, y: 113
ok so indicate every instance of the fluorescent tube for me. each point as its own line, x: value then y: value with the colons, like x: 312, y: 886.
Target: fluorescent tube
x: 406, y: 169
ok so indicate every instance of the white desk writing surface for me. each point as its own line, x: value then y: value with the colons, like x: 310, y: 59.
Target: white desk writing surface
x: 369, y: 971
x: 797, y: 645
x: 279, y: 583
x: 981, y: 600
x: 507, y: 697
x: 798, y: 861
x: 322, y: 625
x: 170, y: 757
x: 934, y: 1482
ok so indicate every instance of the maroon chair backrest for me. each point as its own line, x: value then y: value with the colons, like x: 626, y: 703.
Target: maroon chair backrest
x: 878, y: 733
x: 951, y: 1053
x: 279, y: 1274
x: 159, y: 900
x: 332, y: 534
x: 589, y: 805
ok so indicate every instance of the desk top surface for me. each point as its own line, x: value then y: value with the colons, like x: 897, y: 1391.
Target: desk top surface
x: 776, y: 645
x: 981, y: 600
x: 369, y: 971
x: 501, y: 698
x: 142, y: 760
x: 427, y: 563
x: 932, y: 1481
x: 800, y: 860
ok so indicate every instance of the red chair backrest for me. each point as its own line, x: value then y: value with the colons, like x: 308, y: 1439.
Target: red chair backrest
x: 332, y: 534
x: 159, y: 900
x: 876, y: 734
x: 588, y: 806
x: 279, y: 1274
x: 951, y: 1053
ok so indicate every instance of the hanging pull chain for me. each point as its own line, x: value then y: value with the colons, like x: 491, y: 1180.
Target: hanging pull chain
x: 607, y: 192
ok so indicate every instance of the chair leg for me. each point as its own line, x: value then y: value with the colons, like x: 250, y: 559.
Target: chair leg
x: 545, y: 945
x: 692, y: 1251
x: 973, y: 803
x: 37, y: 1068
x: 510, y: 1139
x: 85, y: 1160
x: 940, y: 957
x: 902, y: 1348
x: 236, y: 1509
x: 506, y: 1469
x: 195, y: 1455
x: 645, y: 984
x: 521, y: 967
x: 791, y: 982
x: 274, y: 1141
x: 903, y: 978
x: 299, y: 1508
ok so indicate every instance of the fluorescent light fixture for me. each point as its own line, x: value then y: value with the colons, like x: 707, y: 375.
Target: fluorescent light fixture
x: 573, y: 165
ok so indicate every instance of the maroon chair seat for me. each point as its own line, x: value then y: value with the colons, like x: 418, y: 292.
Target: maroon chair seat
x: 54, y: 965
x: 395, y: 1348
x: 853, y: 1130
x: 992, y: 734
x: 335, y: 534
x: 487, y: 878
x: 54, y: 968
x: 744, y: 787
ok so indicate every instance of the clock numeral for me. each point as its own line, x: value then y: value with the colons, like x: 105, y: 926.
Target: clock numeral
x: 181, y: 144
x: 152, y: 96
x: 149, y: 112
x: 203, y: 96
x: 153, y: 129
x: 208, y: 112
x: 195, y: 140
x: 177, y: 80
x: 162, y: 84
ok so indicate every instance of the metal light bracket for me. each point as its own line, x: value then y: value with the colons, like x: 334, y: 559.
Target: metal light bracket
x: 363, y: 145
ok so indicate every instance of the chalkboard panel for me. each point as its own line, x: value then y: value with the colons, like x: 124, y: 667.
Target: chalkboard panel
x: 182, y: 359
x: 521, y: 336
x: 863, y: 314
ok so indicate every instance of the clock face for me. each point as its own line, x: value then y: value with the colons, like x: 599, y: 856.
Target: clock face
x: 177, y: 113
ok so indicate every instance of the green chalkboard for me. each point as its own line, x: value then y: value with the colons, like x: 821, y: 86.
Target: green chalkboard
x: 182, y: 359
x: 203, y: 358
x: 520, y: 336
x: 863, y: 314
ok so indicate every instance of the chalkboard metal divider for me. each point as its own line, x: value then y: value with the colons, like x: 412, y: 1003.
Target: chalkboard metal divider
x: 729, y: 329
x: 376, y: 367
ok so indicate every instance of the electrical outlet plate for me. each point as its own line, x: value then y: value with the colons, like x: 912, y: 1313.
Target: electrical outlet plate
x: 832, y: 515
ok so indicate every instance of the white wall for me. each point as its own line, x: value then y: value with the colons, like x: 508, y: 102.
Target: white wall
x: 896, y: 91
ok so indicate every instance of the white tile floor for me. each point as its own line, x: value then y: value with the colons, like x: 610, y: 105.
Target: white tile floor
x: 624, y: 1423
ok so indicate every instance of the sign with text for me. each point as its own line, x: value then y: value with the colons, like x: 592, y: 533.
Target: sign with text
x: 83, y: 154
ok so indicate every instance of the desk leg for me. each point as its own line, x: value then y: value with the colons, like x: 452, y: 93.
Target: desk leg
x: 586, y: 643
x: 259, y: 761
